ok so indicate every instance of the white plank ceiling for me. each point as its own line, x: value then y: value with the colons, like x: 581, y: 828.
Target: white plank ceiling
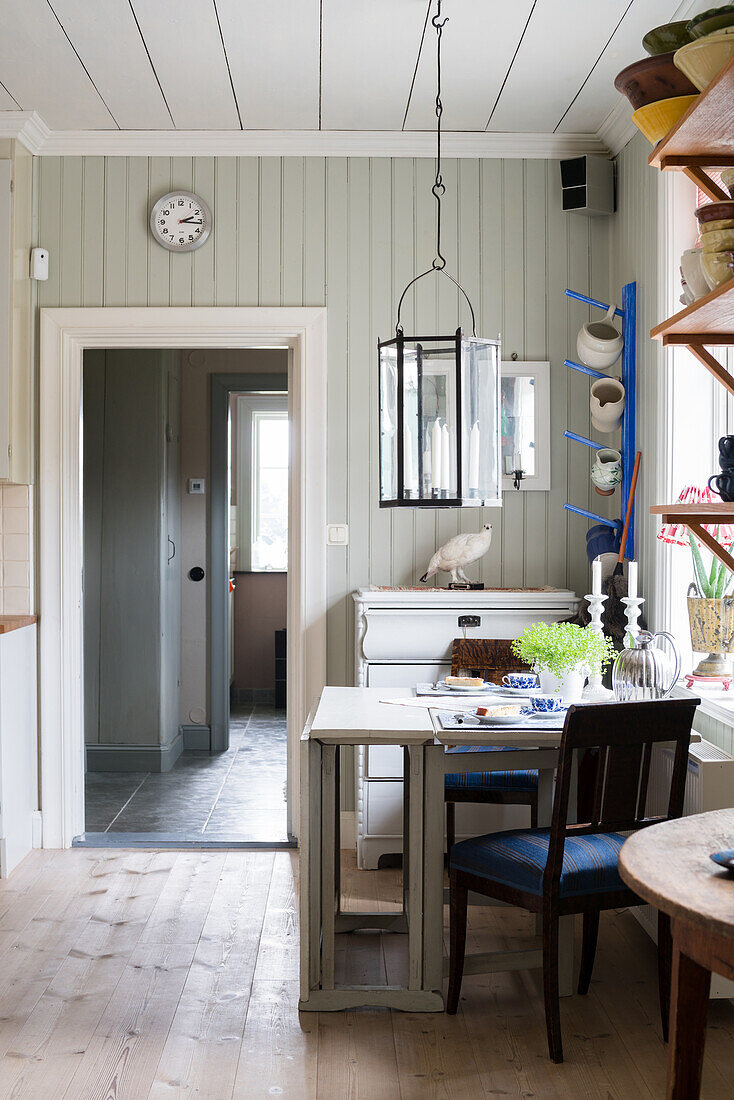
x: 526, y: 66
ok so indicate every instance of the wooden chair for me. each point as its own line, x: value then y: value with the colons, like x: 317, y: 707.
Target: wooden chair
x: 490, y: 658
x: 573, y: 868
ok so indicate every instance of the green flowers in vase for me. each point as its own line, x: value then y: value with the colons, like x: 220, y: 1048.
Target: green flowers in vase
x: 561, y: 648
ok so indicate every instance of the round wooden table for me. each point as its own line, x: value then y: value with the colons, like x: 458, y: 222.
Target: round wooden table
x: 668, y: 865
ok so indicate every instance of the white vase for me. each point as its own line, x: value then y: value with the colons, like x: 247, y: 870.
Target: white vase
x: 570, y: 686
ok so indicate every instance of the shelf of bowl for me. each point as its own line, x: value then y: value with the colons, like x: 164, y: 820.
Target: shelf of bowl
x: 694, y: 516
x: 708, y: 320
x: 703, y: 137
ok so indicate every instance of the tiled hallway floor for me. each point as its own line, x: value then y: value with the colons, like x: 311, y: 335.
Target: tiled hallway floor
x: 239, y: 794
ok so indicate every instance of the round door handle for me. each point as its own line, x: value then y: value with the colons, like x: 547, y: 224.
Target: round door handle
x: 197, y: 573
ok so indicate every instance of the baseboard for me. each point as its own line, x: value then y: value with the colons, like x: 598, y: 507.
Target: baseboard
x: 134, y: 758
x: 348, y: 828
x: 198, y: 738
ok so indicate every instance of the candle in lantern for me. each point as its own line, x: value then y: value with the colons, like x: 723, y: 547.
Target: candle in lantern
x: 436, y: 438
x: 410, y: 480
x: 474, y: 457
x: 445, y: 459
x: 632, y: 579
x: 596, y: 577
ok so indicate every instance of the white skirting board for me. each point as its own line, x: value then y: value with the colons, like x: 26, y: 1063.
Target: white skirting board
x: 348, y: 826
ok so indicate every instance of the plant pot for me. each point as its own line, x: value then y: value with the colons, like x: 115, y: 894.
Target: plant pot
x: 607, y: 404
x: 712, y: 624
x: 570, y: 686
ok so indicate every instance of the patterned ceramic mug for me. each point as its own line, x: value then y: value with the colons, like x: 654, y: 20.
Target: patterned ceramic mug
x: 520, y: 680
x: 547, y: 704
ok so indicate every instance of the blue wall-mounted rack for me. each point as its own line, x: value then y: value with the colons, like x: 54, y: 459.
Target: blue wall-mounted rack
x: 628, y: 313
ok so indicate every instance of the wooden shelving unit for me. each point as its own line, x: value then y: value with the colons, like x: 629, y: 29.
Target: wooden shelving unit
x: 694, y: 516
x: 704, y: 138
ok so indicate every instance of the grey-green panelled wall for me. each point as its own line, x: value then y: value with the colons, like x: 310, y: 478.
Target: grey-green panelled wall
x: 349, y: 234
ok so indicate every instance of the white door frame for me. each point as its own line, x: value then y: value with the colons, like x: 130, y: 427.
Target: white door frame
x: 65, y: 334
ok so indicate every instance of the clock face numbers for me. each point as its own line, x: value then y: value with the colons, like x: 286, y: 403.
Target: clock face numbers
x: 180, y: 222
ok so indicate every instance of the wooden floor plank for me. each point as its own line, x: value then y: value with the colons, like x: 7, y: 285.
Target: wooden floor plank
x: 151, y: 975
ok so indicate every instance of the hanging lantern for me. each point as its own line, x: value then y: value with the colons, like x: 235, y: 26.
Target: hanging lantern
x: 439, y: 398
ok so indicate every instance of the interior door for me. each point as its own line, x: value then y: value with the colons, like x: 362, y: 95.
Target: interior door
x: 171, y: 565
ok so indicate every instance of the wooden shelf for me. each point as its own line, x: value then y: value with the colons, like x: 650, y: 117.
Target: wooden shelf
x: 708, y: 320
x: 694, y: 516
x: 704, y: 137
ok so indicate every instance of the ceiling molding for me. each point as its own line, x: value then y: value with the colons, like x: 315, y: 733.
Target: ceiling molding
x: 31, y: 130
x: 617, y: 129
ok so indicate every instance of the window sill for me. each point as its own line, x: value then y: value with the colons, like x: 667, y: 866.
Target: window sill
x: 715, y: 702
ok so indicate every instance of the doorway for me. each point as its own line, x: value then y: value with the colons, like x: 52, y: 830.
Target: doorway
x: 65, y: 335
x: 162, y: 764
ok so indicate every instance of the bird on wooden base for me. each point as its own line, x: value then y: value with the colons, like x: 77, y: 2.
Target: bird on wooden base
x: 459, y: 552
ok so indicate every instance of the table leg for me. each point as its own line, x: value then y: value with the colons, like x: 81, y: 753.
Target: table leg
x: 433, y: 818
x: 413, y: 845
x: 329, y: 805
x: 689, y: 1002
x: 310, y: 868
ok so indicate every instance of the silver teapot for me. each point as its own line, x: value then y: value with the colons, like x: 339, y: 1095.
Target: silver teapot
x: 644, y: 671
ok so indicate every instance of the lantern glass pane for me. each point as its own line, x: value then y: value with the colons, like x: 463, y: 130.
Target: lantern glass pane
x: 388, y: 422
x: 480, y: 392
x: 436, y: 371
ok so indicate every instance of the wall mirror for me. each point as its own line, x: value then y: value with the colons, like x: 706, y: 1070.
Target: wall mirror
x: 525, y: 424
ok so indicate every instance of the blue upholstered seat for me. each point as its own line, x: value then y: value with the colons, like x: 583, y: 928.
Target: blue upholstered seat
x: 518, y: 858
x: 489, y: 781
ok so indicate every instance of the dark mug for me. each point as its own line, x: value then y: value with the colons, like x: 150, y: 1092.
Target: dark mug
x: 726, y: 451
x: 724, y: 486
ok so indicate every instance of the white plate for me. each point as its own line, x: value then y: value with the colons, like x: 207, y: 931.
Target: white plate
x: 463, y: 690
x: 520, y: 691
x: 500, y: 719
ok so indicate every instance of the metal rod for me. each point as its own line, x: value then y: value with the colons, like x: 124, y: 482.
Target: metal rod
x: 582, y: 439
x: 615, y: 523
x: 629, y: 373
x: 584, y: 370
x: 593, y: 302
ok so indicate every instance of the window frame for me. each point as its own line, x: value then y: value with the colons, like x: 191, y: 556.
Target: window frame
x: 250, y: 406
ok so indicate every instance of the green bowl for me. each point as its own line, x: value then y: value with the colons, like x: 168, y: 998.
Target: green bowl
x: 715, y: 19
x: 666, y: 39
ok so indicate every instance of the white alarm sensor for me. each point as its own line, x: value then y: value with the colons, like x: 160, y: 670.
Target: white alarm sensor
x: 39, y: 263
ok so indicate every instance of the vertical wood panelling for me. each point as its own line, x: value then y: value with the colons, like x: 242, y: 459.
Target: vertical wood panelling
x: 351, y: 234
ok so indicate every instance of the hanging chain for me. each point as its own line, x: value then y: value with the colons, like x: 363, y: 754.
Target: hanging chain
x: 438, y: 189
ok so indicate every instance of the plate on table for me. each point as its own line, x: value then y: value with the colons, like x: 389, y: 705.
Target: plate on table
x: 724, y: 859
x: 528, y: 712
x: 500, y: 719
x: 441, y: 685
x: 527, y: 692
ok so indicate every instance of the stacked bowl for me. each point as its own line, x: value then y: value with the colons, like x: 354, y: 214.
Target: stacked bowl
x: 710, y: 46
x: 716, y: 223
x: 658, y: 90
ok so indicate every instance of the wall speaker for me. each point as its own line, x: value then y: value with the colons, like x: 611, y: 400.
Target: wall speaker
x: 588, y: 185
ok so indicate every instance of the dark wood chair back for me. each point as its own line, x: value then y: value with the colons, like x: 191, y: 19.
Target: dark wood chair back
x: 624, y: 735
x: 490, y: 658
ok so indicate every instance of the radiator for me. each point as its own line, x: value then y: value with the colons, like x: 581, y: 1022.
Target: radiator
x: 709, y: 786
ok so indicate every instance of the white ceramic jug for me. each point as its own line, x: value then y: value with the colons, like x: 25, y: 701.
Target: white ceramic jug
x: 606, y: 472
x: 607, y: 404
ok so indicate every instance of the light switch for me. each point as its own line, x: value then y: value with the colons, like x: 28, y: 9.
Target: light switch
x: 337, y: 534
x: 197, y: 485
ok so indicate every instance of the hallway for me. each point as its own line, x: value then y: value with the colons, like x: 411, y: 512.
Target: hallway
x: 235, y: 796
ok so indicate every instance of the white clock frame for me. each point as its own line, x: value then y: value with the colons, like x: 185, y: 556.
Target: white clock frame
x: 206, y: 228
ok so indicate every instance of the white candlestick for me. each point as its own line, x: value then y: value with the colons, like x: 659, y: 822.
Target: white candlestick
x: 632, y: 608
x: 595, y: 692
x: 632, y: 579
x: 445, y: 459
x: 596, y: 577
x: 410, y: 480
x: 474, y: 457
x: 436, y: 438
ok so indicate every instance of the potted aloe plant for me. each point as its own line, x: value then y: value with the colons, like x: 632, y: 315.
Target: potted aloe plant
x: 563, y: 655
x: 710, y: 612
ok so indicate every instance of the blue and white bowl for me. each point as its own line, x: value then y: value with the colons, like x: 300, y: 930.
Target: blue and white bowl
x: 524, y: 680
x: 547, y: 704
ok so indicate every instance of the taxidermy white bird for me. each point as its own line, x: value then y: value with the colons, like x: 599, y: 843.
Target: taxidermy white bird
x: 459, y: 551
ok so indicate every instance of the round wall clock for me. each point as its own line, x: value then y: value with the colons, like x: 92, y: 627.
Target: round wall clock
x: 181, y: 221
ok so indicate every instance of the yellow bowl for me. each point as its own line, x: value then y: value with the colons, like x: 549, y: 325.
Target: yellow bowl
x: 721, y: 240
x: 703, y: 59
x: 655, y: 119
x: 717, y: 267
x: 712, y: 227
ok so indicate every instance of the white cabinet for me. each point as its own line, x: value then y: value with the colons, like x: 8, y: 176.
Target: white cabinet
x: 18, y: 745
x: 403, y: 637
